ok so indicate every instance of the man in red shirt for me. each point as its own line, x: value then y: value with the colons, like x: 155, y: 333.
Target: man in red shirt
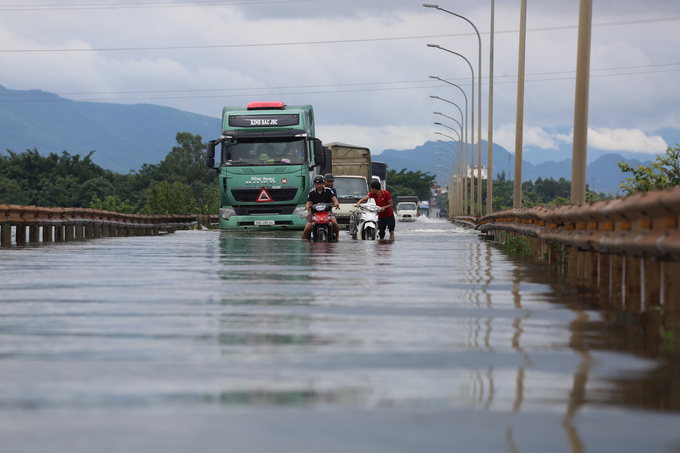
x: 386, y: 215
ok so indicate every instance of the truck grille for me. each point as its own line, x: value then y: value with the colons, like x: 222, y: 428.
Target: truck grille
x: 249, y: 194
x: 264, y: 209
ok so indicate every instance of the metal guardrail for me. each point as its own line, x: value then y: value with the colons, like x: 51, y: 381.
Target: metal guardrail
x: 629, y: 246
x: 45, y: 224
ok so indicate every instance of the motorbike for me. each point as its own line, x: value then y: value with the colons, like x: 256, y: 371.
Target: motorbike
x: 322, y: 223
x: 363, y: 223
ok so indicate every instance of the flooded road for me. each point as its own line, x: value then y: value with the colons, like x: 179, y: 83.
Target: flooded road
x: 260, y: 342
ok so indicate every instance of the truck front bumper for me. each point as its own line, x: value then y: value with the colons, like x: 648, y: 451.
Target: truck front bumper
x: 280, y: 222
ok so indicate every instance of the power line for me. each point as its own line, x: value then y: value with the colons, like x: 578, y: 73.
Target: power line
x: 340, y: 41
x: 318, y: 92
x: 104, y: 6
x: 212, y: 90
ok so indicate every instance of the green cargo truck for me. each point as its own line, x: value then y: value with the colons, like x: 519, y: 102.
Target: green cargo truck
x: 267, y: 157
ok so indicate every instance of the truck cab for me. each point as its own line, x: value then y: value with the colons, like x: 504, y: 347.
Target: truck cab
x: 267, y: 157
x: 350, y: 189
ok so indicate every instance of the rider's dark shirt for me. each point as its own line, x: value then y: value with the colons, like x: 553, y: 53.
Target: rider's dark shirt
x: 326, y: 196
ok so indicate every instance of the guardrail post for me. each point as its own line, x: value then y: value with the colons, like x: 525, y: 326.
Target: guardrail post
x: 604, y: 277
x: 46, y: 215
x: 69, y: 223
x: 21, y: 234
x: 591, y: 267
x: 670, y: 289
x: 6, y: 235
x: 5, y: 226
x: 633, y: 283
x: 651, y: 283
x: 59, y: 233
x: 572, y: 264
x: 616, y: 281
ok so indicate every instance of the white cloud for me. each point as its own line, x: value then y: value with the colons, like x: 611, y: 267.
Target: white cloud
x: 376, y: 139
x: 361, y: 91
x: 531, y: 136
x: 625, y: 140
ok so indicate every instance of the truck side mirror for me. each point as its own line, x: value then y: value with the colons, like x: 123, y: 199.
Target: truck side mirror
x: 210, y: 154
x: 319, y: 156
x: 329, y: 160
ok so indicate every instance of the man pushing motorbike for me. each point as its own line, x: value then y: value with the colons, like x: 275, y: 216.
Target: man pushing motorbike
x: 386, y: 214
x: 320, y: 194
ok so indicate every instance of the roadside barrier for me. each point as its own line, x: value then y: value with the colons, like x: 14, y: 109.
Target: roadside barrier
x: 35, y: 224
x: 629, y: 248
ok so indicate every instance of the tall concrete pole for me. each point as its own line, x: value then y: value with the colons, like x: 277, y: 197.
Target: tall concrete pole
x: 580, y: 147
x: 519, y: 128
x: 489, y: 164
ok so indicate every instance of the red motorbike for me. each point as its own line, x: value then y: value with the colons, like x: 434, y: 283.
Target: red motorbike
x: 322, y: 223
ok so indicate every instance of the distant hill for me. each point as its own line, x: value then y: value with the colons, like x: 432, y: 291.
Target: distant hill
x: 127, y: 136
x: 124, y: 136
x: 603, y: 174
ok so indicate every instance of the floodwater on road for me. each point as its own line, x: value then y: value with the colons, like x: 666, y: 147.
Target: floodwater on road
x: 260, y: 342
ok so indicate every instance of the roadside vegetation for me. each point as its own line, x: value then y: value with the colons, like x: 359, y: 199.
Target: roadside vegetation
x: 180, y: 184
x: 663, y: 173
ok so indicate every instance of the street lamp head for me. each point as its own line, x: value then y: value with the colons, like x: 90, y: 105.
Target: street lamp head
x: 433, y: 45
x: 427, y: 5
x: 436, y: 113
x: 434, y: 97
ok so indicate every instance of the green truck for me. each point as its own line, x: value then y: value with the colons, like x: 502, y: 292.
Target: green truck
x: 267, y: 157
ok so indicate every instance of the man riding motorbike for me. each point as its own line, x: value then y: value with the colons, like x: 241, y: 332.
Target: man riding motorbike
x: 320, y: 194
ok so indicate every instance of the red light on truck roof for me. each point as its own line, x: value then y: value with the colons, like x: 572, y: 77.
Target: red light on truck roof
x: 266, y: 105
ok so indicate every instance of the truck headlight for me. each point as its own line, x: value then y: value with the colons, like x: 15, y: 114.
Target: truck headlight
x: 226, y: 213
x: 300, y: 210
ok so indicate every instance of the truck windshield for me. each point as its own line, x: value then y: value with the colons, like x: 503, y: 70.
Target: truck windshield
x: 256, y: 152
x: 406, y: 207
x: 350, y: 187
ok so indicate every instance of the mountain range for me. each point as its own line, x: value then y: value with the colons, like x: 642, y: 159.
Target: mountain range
x: 127, y: 136
x: 124, y: 136
x: 603, y: 173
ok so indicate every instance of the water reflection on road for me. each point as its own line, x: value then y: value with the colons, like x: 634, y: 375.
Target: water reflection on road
x: 262, y: 342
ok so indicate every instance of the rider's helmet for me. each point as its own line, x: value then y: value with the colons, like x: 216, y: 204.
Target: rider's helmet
x: 328, y: 177
x: 318, y: 178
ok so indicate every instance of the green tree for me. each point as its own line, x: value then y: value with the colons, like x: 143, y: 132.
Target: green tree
x: 410, y: 183
x: 111, y: 203
x: 663, y: 173
x: 166, y: 198
x: 210, y: 201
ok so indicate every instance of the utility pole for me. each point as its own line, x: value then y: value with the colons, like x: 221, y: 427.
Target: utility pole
x: 489, y: 153
x: 519, y: 127
x: 580, y: 147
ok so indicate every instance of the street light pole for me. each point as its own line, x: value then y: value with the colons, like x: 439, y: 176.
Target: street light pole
x: 462, y: 177
x: 461, y: 157
x: 472, y: 128
x: 479, y: 104
x: 471, y: 196
x: 466, y: 107
x: 453, y: 180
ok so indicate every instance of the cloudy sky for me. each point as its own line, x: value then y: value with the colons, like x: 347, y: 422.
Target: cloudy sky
x: 363, y: 64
